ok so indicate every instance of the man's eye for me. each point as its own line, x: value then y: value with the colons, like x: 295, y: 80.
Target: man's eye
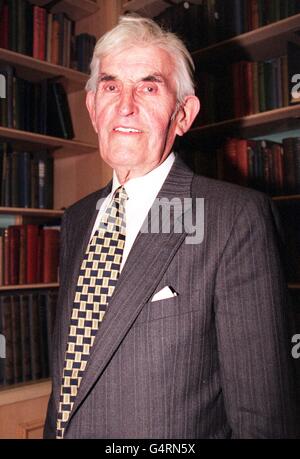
x: 111, y: 88
x: 148, y: 89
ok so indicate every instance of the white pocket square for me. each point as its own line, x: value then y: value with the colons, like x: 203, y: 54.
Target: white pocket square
x: 163, y: 294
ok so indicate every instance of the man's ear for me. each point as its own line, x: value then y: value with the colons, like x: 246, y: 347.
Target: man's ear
x: 186, y: 114
x: 90, y: 103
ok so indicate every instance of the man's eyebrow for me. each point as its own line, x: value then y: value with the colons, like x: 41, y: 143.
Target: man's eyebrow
x: 157, y: 78
x: 106, y: 77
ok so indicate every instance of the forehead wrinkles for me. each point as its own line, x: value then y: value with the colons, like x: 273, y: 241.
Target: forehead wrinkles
x: 136, y: 63
x: 133, y: 73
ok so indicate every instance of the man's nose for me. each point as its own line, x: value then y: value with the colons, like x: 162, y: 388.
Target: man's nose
x: 127, y: 105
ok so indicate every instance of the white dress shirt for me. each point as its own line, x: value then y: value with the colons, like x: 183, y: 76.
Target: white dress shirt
x: 141, y: 192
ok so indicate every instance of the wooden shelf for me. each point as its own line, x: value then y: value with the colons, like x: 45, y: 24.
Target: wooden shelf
x: 31, y: 212
x: 35, y: 70
x: 266, y: 41
x: 33, y: 141
x: 24, y: 391
x: 294, y: 286
x: 291, y: 197
x: 279, y: 119
x: 28, y: 286
x: 75, y: 9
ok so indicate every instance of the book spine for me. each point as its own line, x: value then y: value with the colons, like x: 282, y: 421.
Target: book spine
x: 25, y: 338
x: 36, y: 32
x: 289, y: 166
x: 32, y: 232
x: 51, y: 255
x: 14, y: 247
x: 6, y: 319
x: 296, y: 154
x: 4, y: 26
x: 242, y: 162
x: 22, y: 255
x: 49, y: 36
x: 35, y: 350
x: 16, y: 338
x: 24, y: 179
x: 6, y: 257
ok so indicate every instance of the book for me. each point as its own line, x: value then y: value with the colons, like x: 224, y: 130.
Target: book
x: 32, y: 241
x: 16, y: 337
x: 35, y: 348
x: 43, y: 334
x: 50, y: 254
x: 26, y: 323
x: 6, y: 322
x: 25, y: 337
x: 27, y: 178
x: 13, y: 254
x: 59, y: 112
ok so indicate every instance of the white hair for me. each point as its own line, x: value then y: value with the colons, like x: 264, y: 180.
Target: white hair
x: 135, y: 30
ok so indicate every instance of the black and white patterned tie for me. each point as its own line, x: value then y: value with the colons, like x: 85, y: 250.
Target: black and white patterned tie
x: 97, y: 279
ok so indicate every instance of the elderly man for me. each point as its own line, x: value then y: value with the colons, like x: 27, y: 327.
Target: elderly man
x: 158, y: 335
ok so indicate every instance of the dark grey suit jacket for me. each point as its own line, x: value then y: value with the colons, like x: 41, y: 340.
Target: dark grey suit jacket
x: 212, y: 362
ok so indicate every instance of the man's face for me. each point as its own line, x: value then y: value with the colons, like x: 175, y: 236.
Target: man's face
x: 133, y: 106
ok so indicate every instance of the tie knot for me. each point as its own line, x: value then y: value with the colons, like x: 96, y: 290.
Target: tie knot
x: 113, y: 219
x: 120, y: 195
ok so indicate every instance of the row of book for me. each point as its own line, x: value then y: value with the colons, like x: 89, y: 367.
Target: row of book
x: 35, y: 31
x: 211, y: 21
x: 268, y: 166
x: 26, y: 323
x: 271, y: 167
x: 29, y: 254
x: 245, y: 88
x: 40, y: 107
x: 26, y: 178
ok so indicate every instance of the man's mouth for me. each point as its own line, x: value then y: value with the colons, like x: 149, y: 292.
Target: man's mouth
x: 127, y: 130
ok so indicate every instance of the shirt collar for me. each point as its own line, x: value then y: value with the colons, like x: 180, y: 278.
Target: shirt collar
x: 150, y: 182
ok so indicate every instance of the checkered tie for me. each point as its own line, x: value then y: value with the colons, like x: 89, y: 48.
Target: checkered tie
x: 97, y: 279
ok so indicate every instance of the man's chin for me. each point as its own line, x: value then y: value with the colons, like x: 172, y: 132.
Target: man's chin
x: 123, y: 158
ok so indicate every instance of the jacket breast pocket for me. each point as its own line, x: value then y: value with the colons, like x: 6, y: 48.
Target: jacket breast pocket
x: 177, y: 305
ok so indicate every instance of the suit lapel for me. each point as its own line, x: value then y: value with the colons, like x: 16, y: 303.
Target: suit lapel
x: 151, y: 253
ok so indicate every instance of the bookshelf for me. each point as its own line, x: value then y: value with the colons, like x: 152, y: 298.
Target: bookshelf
x: 16, y: 403
x: 23, y: 406
x: 28, y: 67
x: 280, y: 119
x: 31, y: 212
x: 7, y: 288
x: 294, y: 286
x: 32, y: 140
x: 292, y: 197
